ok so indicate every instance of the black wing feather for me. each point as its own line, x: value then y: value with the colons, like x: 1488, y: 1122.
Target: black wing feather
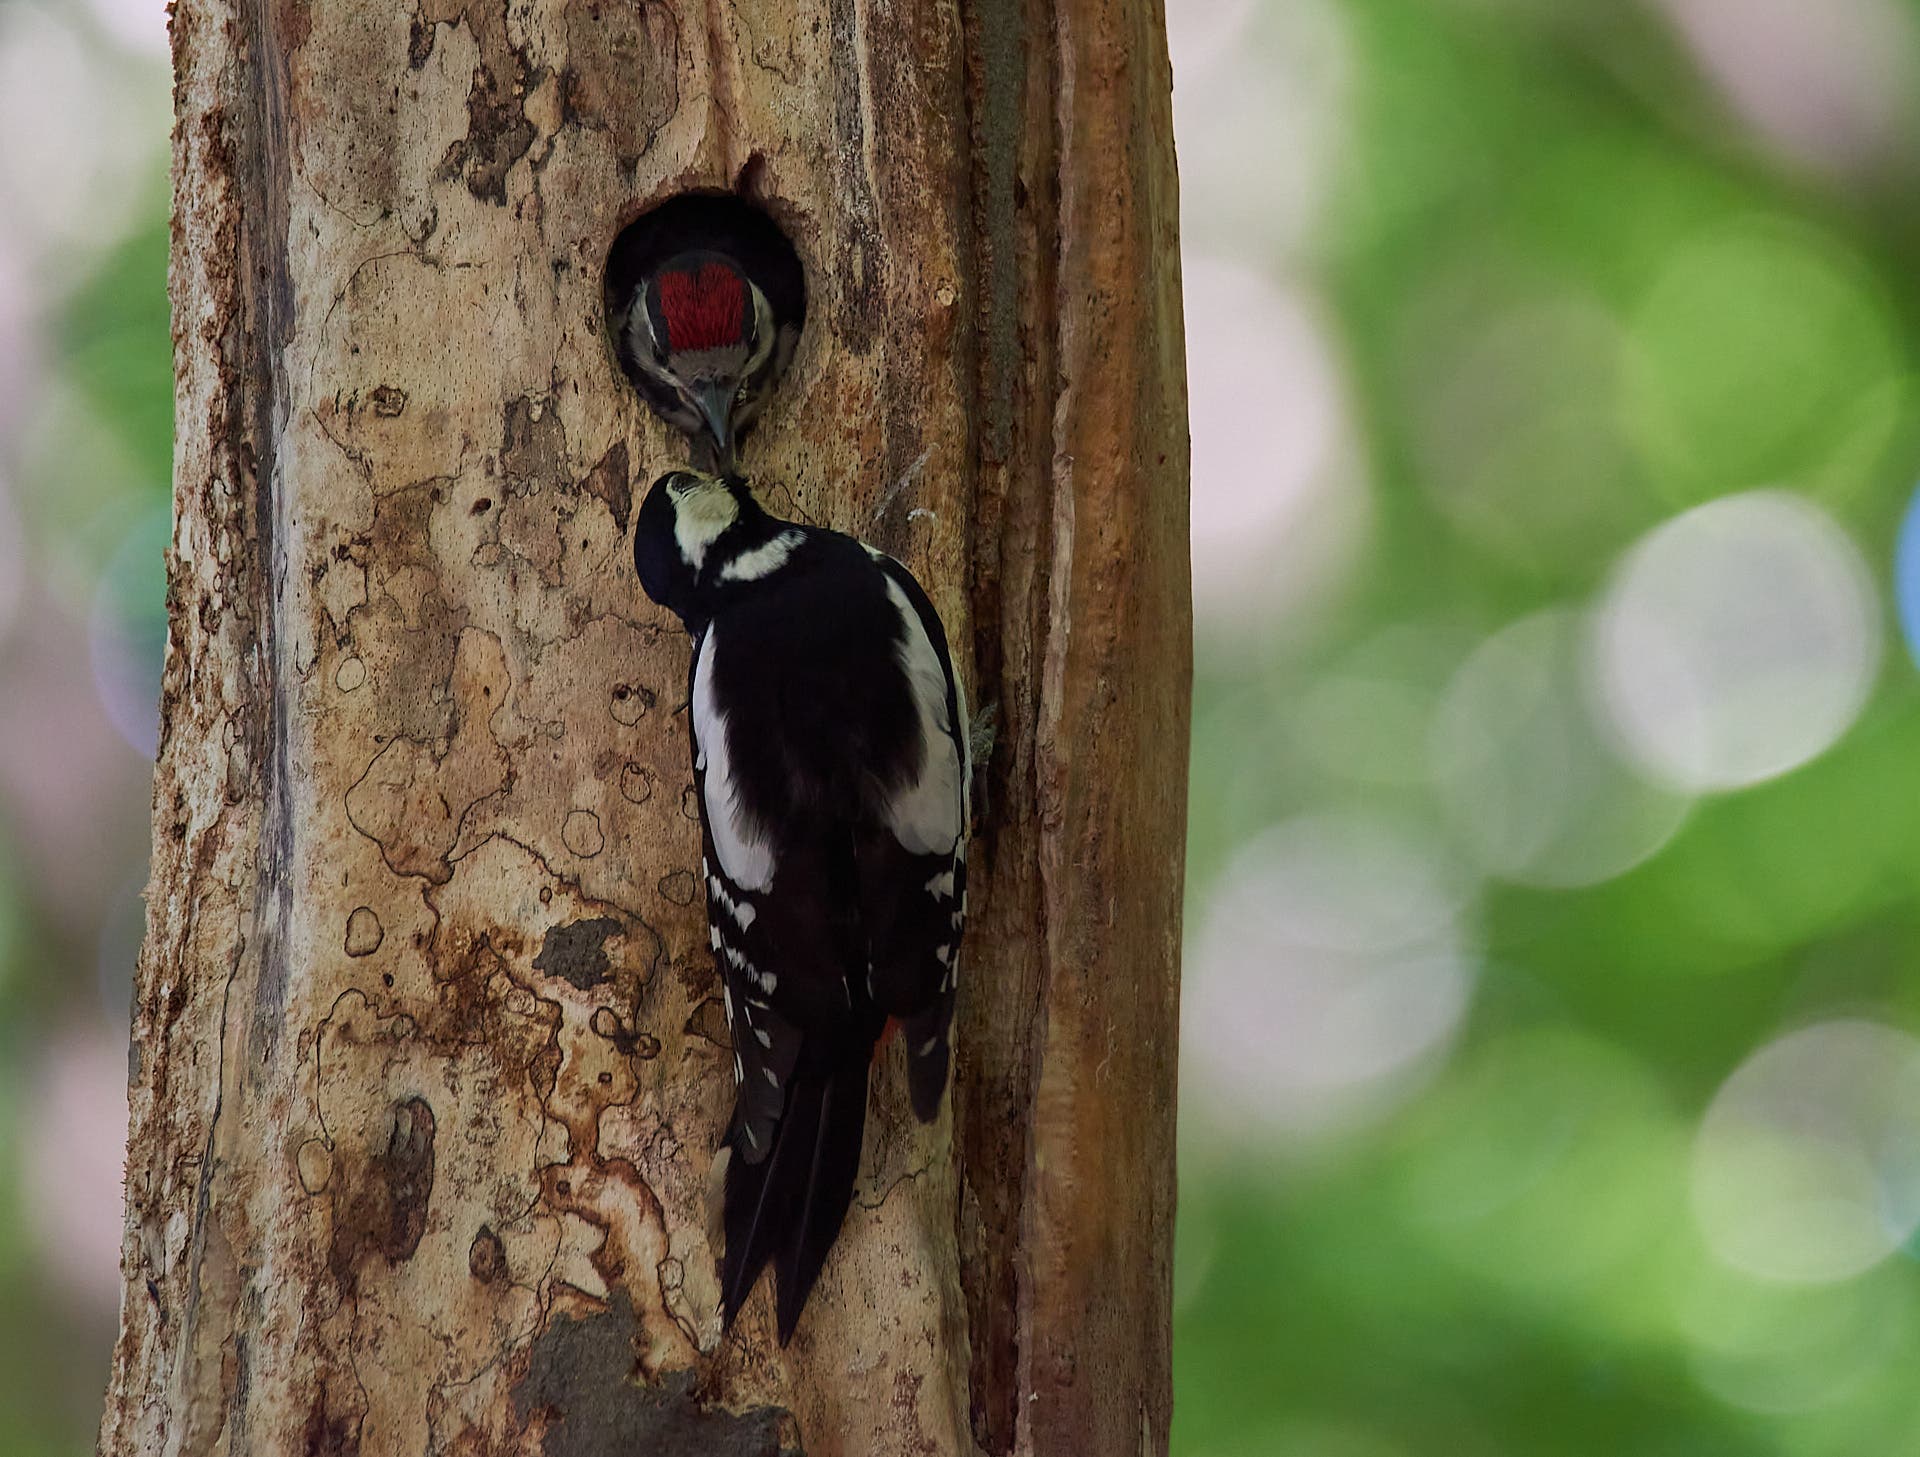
x: 852, y: 925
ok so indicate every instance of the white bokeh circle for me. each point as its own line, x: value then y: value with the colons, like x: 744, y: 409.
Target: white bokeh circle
x: 1782, y: 1350
x: 1330, y: 967
x: 1830, y: 84
x: 1203, y: 33
x: 1277, y: 510
x: 139, y: 25
x: 60, y: 204
x: 73, y: 1160
x: 13, y: 558
x: 1736, y: 642
x: 1262, y: 113
x: 1806, y: 1168
x: 1528, y: 773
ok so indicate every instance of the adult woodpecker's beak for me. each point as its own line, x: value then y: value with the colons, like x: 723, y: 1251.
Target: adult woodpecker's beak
x: 715, y: 403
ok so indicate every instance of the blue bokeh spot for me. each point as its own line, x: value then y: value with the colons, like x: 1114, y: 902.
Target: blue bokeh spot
x: 1906, y: 576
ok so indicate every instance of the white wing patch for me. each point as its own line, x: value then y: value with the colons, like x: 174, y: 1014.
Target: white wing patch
x: 769, y: 556
x: 747, y: 859
x: 926, y: 816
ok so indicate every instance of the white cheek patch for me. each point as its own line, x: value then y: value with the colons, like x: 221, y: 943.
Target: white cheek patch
x: 643, y: 345
x: 926, y: 816
x: 764, y: 334
x: 737, y: 843
x: 699, y: 517
x: 769, y: 557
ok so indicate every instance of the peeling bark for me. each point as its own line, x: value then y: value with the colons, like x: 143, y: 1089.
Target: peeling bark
x: 428, y: 1064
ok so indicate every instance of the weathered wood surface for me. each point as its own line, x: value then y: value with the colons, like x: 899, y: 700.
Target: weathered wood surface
x: 428, y: 1066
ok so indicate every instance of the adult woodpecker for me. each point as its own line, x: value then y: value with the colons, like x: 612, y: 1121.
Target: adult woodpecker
x: 707, y: 309
x: 830, y: 754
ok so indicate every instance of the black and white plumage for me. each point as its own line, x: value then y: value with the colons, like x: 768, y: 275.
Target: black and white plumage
x: 831, y: 758
x: 707, y: 301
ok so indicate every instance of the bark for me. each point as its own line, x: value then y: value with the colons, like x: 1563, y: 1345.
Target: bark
x: 428, y: 1062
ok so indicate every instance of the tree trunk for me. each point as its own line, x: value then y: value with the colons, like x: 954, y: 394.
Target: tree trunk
x: 428, y: 1064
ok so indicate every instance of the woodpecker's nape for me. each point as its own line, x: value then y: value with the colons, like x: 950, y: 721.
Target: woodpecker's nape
x: 706, y: 301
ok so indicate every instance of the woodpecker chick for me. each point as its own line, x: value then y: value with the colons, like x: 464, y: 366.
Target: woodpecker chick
x: 705, y: 334
x: 831, y: 760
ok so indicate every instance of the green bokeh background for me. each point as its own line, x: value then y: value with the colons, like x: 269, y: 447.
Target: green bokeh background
x: 1509, y: 1263
x: 1505, y: 1259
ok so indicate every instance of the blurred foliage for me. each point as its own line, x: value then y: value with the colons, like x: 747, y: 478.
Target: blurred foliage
x: 118, y: 349
x: 92, y: 460
x: 1509, y: 1264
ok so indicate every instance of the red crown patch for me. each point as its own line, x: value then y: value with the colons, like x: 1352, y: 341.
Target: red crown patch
x: 705, y: 309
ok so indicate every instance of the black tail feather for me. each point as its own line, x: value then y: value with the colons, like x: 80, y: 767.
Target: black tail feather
x: 836, y: 1164
x: 790, y: 1207
x: 759, y: 1204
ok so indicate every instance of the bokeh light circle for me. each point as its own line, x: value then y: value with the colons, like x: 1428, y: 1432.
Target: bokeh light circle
x: 1262, y: 117
x: 1906, y: 576
x: 1330, y: 967
x: 1275, y: 510
x: 1366, y: 715
x: 1549, y: 1162
x: 123, y: 925
x: 1528, y: 773
x: 1736, y: 642
x: 1806, y: 1168
x: 1830, y: 84
x: 1203, y: 33
x: 1763, y: 351
x: 61, y: 203
x: 1780, y: 1349
x: 73, y: 1161
x: 137, y: 24
x: 13, y: 565
x: 127, y: 632
x: 1521, y: 440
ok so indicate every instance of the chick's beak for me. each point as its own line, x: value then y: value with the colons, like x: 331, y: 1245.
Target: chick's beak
x: 714, y: 399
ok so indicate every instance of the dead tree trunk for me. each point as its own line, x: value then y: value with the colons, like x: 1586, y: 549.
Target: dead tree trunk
x: 428, y: 1063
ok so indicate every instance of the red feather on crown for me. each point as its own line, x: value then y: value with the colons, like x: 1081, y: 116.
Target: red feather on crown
x: 703, y: 310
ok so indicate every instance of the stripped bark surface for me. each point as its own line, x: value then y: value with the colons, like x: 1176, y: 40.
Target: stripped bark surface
x: 428, y: 1061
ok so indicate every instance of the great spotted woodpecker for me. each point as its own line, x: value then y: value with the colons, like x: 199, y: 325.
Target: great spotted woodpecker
x: 831, y: 758
x: 706, y: 318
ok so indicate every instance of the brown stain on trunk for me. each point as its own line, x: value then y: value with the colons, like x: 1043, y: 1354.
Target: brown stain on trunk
x: 381, y: 1206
